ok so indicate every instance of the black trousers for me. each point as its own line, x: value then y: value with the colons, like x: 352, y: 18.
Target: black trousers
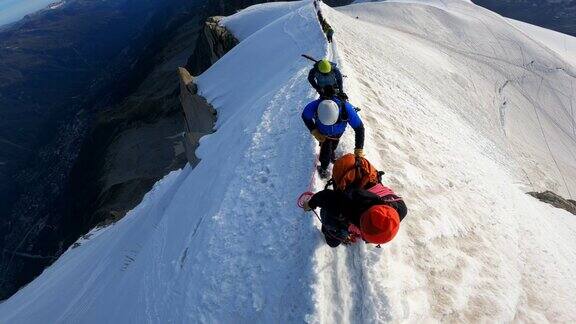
x: 327, y: 152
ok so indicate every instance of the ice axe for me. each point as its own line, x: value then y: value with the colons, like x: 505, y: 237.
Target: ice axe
x: 310, y: 58
x: 306, y: 56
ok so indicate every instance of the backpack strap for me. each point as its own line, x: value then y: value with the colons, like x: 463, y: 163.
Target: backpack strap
x: 386, y: 194
x: 329, y: 183
x: 380, y: 175
x: 343, y: 112
x: 359, y: 174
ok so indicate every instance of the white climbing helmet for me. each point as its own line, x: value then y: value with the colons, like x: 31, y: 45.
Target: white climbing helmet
x: 328, y: 112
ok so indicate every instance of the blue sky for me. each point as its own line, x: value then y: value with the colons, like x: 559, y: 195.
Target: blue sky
x: 13, y: 10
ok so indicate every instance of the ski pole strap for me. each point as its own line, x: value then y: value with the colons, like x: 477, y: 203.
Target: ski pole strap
x: 304, y: 197
x: 357, y: 165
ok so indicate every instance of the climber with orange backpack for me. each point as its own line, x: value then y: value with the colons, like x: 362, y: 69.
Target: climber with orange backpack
x: 359, y: 206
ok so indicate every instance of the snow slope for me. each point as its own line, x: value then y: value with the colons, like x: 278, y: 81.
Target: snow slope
x: 463, y: 111
x: 252, y: 19
x: 465, y: 114
x: 564, y: 45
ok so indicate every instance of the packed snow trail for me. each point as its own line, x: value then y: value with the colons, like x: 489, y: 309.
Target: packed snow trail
x: 462, y: 110
x: 473, y: 246
x: 340, y: 287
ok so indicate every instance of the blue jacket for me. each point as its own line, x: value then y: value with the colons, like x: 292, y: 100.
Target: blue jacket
x: 310, y: 117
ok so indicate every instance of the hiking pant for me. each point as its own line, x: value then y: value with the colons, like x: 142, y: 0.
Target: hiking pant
x: 327, y: 152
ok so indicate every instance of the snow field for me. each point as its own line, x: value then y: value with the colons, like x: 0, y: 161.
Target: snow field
x: 463, y: 112
x: 474, y: 247
x: 562, y: 44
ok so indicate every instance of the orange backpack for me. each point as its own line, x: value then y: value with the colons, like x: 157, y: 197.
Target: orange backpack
x: 350, y: 170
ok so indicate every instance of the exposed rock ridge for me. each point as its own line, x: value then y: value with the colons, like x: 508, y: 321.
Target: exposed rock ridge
x: 200, y: 116
x: 214, y: 42
x: 555, y: 200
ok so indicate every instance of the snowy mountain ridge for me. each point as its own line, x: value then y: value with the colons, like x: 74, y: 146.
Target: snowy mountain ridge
x: 463, y: 112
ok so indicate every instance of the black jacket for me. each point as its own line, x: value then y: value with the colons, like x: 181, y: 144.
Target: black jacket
x: 314, y: 72
x: 345, y: 208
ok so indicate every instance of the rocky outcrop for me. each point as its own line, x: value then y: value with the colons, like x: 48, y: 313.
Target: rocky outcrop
x: 199, y: 115
x: 154, y: 131
x: 555, y: 200
x: 213, y: 43
x: 134, y: 144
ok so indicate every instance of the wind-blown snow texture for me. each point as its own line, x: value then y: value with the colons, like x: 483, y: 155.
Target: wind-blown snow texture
x: 463, y: 111
x: 563, y: 44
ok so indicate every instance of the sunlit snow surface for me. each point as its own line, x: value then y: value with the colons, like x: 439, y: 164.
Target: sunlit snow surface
x: 564, y: 45
x: 463, y: 111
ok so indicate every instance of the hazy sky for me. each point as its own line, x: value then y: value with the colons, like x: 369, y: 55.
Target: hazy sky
x: 13, y: 10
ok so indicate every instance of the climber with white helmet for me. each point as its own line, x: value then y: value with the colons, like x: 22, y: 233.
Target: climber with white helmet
x: 327, y: 118
x: 326, y: 75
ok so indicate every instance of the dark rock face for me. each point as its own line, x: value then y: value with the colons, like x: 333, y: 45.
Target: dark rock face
x: 46, y: 60
x: 134, y: 143
x: 559, y: 15
x: 56, y: 68
x: 553, y: 199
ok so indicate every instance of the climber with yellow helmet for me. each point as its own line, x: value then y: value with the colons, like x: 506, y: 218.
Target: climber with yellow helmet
x: 326, y: 75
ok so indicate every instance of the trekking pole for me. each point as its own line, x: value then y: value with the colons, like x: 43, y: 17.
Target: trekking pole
x: 317, y: 216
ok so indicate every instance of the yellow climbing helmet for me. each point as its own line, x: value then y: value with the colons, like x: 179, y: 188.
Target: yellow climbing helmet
x: 324, y: 66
